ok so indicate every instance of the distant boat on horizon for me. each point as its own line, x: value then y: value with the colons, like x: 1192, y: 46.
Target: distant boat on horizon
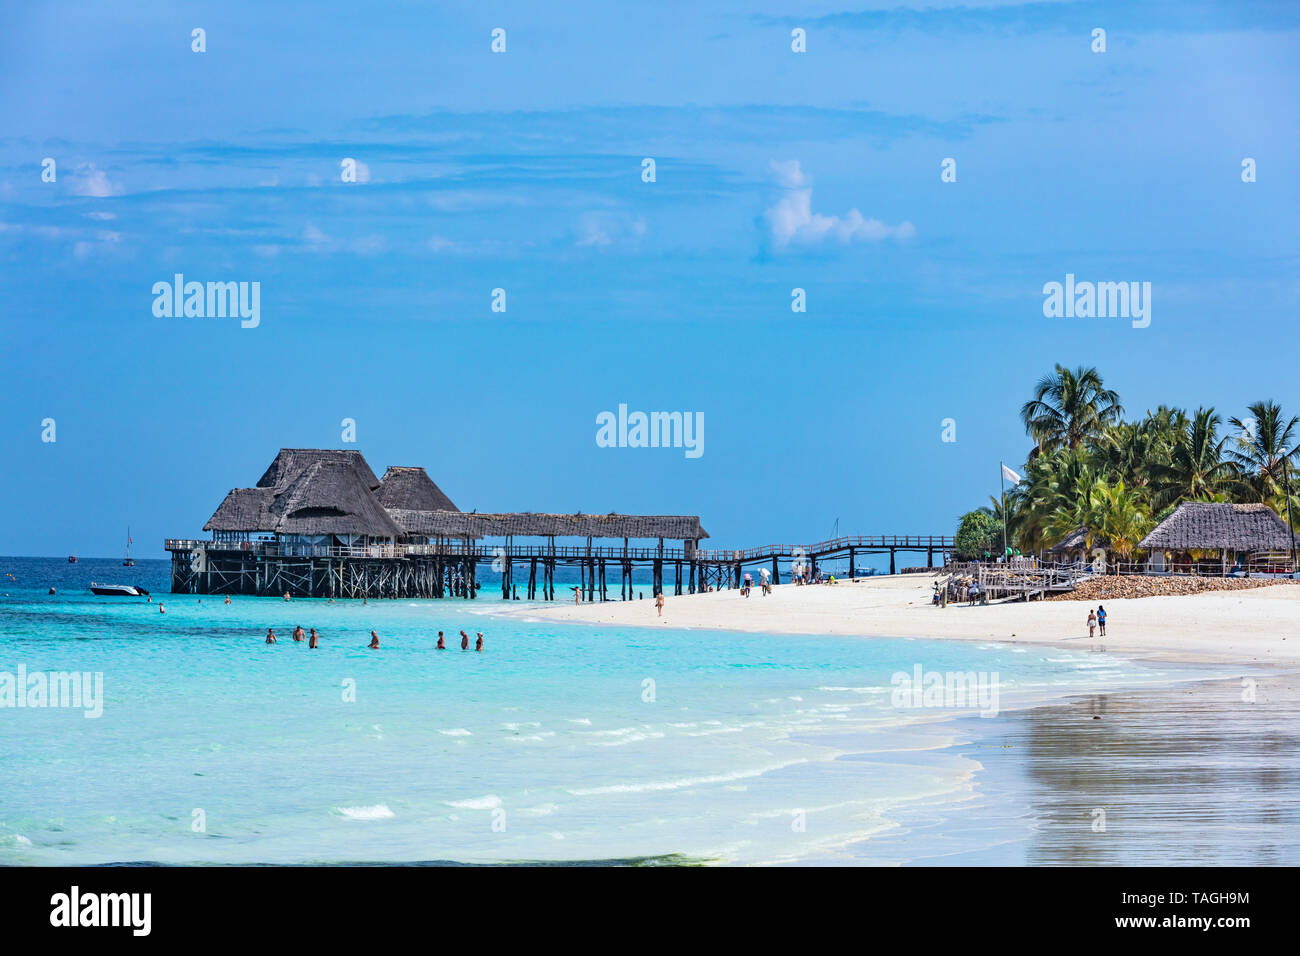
x: 72, y: 559
x: 128, y: 561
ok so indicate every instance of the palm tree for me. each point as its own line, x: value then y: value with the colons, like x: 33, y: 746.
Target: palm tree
x: 1119, y: 517
x: 1262, y: 450
x: 1054, y: 485
x: 1197, y: 470
x: 1069, y: 408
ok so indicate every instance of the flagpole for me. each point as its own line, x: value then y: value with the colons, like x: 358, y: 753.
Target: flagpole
x: 1003, y: 476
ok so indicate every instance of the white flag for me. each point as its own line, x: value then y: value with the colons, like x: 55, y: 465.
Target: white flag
x: 1010, y: 475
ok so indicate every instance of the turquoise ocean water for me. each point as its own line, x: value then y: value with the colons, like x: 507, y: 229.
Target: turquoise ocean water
x: 557, y: 743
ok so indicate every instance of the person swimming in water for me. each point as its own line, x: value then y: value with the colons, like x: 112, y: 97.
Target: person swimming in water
x: 162, y: 609
x: 227, y: 598
x: 286, y: 595
x: 374, y: 641
x: 270, y: 636
x: 299, y: 633
x: 478, y: 645
x: 464, y: 641
x: 441, y: 644
x: 312, y: 644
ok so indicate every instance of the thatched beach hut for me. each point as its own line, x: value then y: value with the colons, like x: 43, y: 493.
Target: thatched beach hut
x: 1234, y: 531
x: 1075, y: 546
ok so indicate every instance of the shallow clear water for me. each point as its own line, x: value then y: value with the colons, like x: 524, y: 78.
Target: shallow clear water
x: 558, y: 742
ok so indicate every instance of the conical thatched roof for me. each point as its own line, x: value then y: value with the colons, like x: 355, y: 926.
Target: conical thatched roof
x: 1213, y: 526
x: 456, y: 524
x: 244, y: 509
x: 1078, y: 539
x: 292, y: 462
x: 411, y: 489
x: 331, y: 497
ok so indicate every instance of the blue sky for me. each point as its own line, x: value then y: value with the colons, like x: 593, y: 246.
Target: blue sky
x: 522, y: 170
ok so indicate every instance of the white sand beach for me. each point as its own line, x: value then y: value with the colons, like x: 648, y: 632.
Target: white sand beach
x: 1251, y: 626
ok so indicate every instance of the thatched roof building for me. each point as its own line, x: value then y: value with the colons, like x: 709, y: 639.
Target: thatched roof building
x: 1077, y: 540
x: 331, y: 497
x: 411, y: 489
x: 244, y: 509
x: 311, y: 492
x: 292, y: 462
x: 1212, y: 526
x: 457, y: 524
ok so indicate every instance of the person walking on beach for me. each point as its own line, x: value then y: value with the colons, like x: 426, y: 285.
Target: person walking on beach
x: 299, y: 633
x: 313, y: 642
x: 464, y: 641
x: 749, y: 583
x: 659, y: 604
x: 374, y: 641
x: 270, y: 636
x: 1092, y: 621
x: 1101, y: 619
x: 478, y: 645
x: 441, y: 644
x: 764, y: 581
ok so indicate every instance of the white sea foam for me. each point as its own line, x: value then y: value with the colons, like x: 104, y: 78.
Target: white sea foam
x: 584, y: 721
x: 490, y: 802
x: 377, y: 812
x: 684, y: 782
x: 545, y: 810
x: 457, y: 732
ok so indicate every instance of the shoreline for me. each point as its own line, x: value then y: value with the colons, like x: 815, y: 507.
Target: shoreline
x: 1244, y: 627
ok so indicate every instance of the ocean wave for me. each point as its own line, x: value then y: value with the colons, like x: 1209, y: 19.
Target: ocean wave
x: 457, y: 732
x: 683, y: 782
x: 379, y: 811
x: 490, y: 802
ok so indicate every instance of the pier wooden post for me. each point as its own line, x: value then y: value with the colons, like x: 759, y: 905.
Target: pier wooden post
x: 891, y: 560
x: 853, y: 569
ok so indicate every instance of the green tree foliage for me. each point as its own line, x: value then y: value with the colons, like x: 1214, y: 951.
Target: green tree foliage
x: 1090, y: 468
x: 980, y: 533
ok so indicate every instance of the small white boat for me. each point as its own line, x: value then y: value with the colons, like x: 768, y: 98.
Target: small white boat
x: 117, y: 590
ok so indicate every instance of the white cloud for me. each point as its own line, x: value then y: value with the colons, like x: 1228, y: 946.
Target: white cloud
x: 792, y: 219
x: 88, y: 180
x: 601, y: 229
x: 315, y: 238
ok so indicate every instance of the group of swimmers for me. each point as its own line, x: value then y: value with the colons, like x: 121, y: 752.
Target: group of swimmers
x: 313, y: 640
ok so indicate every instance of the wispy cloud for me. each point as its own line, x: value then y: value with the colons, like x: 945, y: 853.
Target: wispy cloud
x: 89, y: 180
x: 792, y: 220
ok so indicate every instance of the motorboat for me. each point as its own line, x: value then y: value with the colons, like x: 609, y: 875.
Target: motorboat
x: 118, y: 590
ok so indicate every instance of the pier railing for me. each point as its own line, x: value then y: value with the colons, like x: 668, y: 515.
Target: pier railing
x: 878, y: 542
x: 489, y: 552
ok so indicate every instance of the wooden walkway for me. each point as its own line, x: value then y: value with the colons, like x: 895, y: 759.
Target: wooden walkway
x: 450, y: 567
x: 1024, y: 580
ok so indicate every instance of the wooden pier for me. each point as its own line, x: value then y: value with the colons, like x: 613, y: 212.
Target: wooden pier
x: 452, y: 568
x: 318, y: 523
